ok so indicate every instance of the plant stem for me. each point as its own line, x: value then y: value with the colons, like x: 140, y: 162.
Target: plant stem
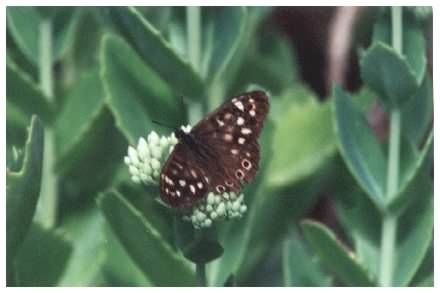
x: 195, y: 112
x: 390, y: 221
x: 50, y: 180
x: 396, y: 24
x: 194, y: 35
x: 201, y: 274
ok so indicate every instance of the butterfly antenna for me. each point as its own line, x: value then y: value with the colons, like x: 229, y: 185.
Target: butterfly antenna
x: 163, y: 124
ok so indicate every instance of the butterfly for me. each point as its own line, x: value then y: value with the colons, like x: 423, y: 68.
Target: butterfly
x: 218, y: 155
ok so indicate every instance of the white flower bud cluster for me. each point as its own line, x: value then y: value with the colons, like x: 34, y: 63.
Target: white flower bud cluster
x: 217, y: 207
x: 145, y: 161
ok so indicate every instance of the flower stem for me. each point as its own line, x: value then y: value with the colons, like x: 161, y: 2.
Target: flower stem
x: 194, y: 35
x: 201, y: 274
x: 390, y: 221
x: 195, y: 112
x: 49, y: 183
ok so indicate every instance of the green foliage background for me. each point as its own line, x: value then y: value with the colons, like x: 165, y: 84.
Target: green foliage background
x: 89, y: 82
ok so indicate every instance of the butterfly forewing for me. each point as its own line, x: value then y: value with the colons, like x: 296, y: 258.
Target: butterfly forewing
x: 224, y: 150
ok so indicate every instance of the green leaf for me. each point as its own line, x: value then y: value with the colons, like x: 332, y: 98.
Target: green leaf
x: 23, y: 189
x: 230, y: 281
x: 412, y: 170
x: 425, y: 271
x: 415, y: 234
x: 78, y: 114
x: 25, y: 94
x: 119, y: 268
x: 156, y: 52
x: 42, y: 258
x: 295, y: 159
x: 228, y: 27
x: 160, y: 263
x: 417, y: 113
x: 413, y: 47
x: 359, y: 148
x: 362, y: 221
x: 135, y: 94
x: 85, y: 229
x: 389, y: 75
x: 335, y: 256
x: 203, y: 251
x: 24, y: 26
x: 308, y: 273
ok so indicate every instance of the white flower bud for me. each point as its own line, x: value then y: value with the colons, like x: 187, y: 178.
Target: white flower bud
x: 236, y: 206
x: 164, y: 141
x: 153, y: 138
x: 221, y: 209
x: 132, y: 153
x: 133, y: 170
x: 146, y: 168
x: 156, y: 152
x: 155, y: 164
x: 207, y: 223
x: 211, y: 198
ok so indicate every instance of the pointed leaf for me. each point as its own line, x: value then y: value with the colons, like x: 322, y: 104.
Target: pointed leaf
x: 25, y: 94
x: 78, y: 113
x: 359, y: 148
x: 389, y: 74
x: 410, y: 176
x: 23, y: 189
x: 335, y: 256
x: 309, y: 273
x: 228, y: 28
x: 134, y: 92
x: 415, y: 233
x: 24, y: 26
x: 417, y: 113
x: 156, y: 52
x: 413, y: 46
x: 160, y: 263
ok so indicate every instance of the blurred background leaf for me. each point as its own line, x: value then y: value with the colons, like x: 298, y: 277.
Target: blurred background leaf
x: 23, y: 190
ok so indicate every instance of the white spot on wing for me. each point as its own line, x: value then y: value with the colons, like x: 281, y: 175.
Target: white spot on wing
x: 193, y: 189
x: 239, y: 105
x: 240, y: 121
x: 241, y: 140
x: 228, y: 137
x: 246, y: 130
x: 252, y: 113
x: 182, y: 182
x: 200, y: 185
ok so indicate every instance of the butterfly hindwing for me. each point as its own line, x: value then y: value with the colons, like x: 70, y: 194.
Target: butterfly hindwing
x: 183, y: 181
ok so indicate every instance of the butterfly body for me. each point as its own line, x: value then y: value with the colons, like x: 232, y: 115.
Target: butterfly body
x: 219, y: 154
